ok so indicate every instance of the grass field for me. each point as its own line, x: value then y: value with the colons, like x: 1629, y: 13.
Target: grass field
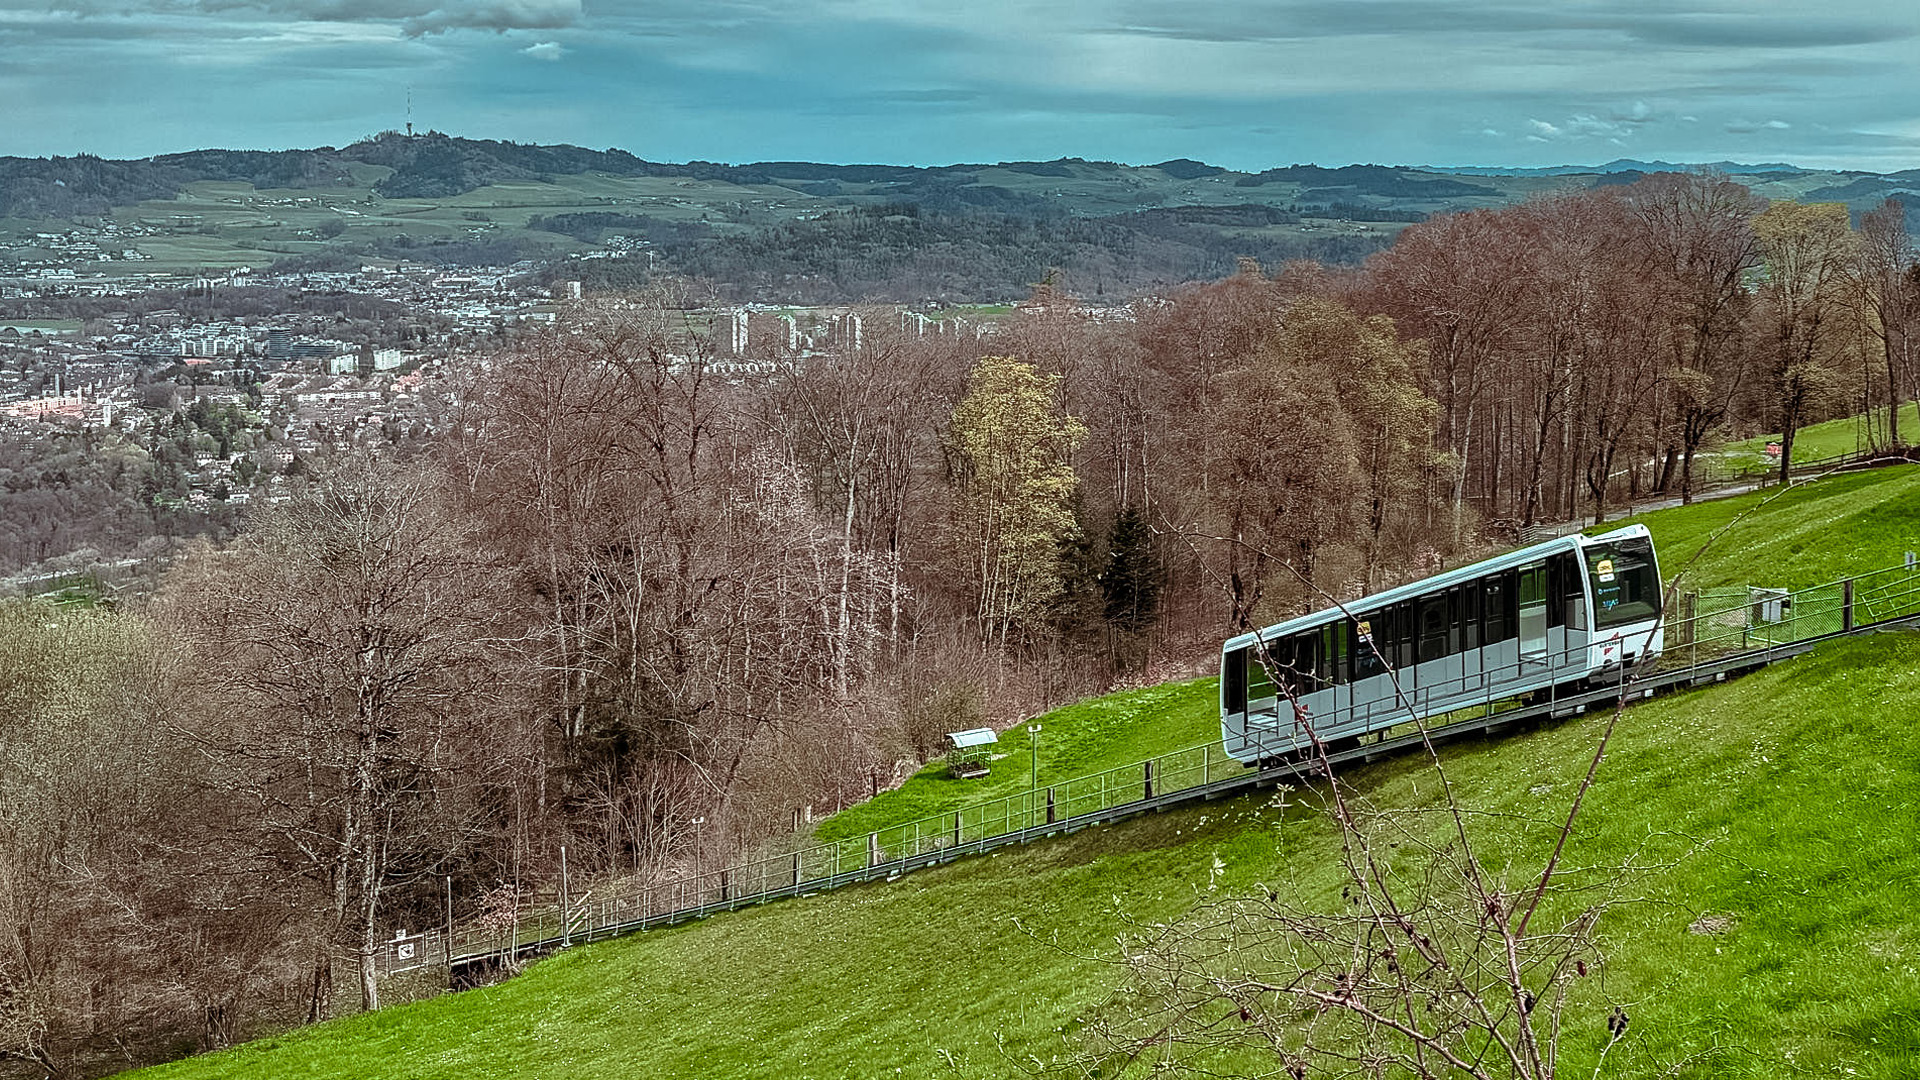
x: 1087, y: 737
x: 970, y: 969
x: 44, y: 326
x: 1810, y: 533
x: 1832, y: 438
x: 223, y: 224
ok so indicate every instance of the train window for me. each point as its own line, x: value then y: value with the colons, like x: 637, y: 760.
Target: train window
x: 1280, y: 665
x: 1306, y: 660
x: 1573, y: 586
x: 1498, y: 614
x: 1383, y: 643
x: 1399, y: 634
x: 1470, y: 616
x: 1433, y: 627
x: 1406, y: 642
x: 1557, y: 572
x: 1456, y: 605
x: 1533, y: 609
x: 1296, y: 660
x: 1259, y: 683
x: 1409, y: 634
x: 1284, y: 662
x: 1626, y: 584
x: 1368, y: 647
x: 1233, y: 681
x: 1333, y: 646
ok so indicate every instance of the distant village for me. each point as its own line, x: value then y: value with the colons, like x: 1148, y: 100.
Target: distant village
x: 245, y: 400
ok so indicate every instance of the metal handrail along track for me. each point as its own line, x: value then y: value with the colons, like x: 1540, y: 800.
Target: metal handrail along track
x: 945, y: 848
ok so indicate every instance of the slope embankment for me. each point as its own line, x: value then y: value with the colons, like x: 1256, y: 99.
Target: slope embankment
x: 1770, y: 932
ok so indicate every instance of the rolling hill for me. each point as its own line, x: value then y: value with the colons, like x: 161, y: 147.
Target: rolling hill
x: 785, y: 231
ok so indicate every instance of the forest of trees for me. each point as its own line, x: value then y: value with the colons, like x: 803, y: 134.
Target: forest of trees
x: 631, y: 606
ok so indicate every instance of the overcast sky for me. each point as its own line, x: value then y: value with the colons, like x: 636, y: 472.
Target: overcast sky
x: 1246, y: 85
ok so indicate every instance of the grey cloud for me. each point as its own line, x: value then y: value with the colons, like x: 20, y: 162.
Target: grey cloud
x: 497, y: 15
x: 416, y: 17
x: 929, y: 97
x: 1277, y: 20
x: 1750, y: 31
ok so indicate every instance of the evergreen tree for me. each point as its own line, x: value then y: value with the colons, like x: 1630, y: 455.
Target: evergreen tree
x: 1130, y: 583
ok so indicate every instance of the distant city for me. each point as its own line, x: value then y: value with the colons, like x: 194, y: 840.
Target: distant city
x: 291, y: 381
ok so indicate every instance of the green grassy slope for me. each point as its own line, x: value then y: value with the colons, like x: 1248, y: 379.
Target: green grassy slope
x: 1846, y: 435
x: 1810, y: 767
x: 1087, y: 737
x: 1809, y: 534
x: 1812, y: 771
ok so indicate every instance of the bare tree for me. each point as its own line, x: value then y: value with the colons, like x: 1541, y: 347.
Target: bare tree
x: 1808, y: 250
x: 1890, y: 303
x: 352, y: 645
x: 1696, y: 232
x: 1458, y: 282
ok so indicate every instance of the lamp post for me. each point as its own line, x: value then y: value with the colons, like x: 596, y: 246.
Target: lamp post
x: 699, y: 838
x: 1033, y: 756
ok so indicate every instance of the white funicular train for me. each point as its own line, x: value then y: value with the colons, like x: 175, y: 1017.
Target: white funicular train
x: 1564, y: 611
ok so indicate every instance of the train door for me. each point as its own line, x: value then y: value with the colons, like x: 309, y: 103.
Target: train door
x: 1533, y: 611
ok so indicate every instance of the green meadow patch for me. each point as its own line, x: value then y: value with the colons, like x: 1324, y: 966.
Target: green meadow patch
x: 1811, y: 533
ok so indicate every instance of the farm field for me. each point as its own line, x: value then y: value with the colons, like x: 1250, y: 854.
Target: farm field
x: 961, y: 232
x: 1790, y: 778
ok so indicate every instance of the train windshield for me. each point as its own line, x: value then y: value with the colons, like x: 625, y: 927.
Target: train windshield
x: 1626, y: 583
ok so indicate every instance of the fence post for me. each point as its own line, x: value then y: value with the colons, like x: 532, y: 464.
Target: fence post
x: 449, y: 923
x: 796, y: 871
x: 1147, y: 781
x: 1206, y: 764
x: 873, y: 849
x: 566, y: 924
x: 1051, y: 818
x: 956, y: 828
x: 726, y: 884
x: 1846, y: 604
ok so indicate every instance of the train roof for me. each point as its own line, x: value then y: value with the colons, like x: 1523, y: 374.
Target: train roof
x: 1441, y: 580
